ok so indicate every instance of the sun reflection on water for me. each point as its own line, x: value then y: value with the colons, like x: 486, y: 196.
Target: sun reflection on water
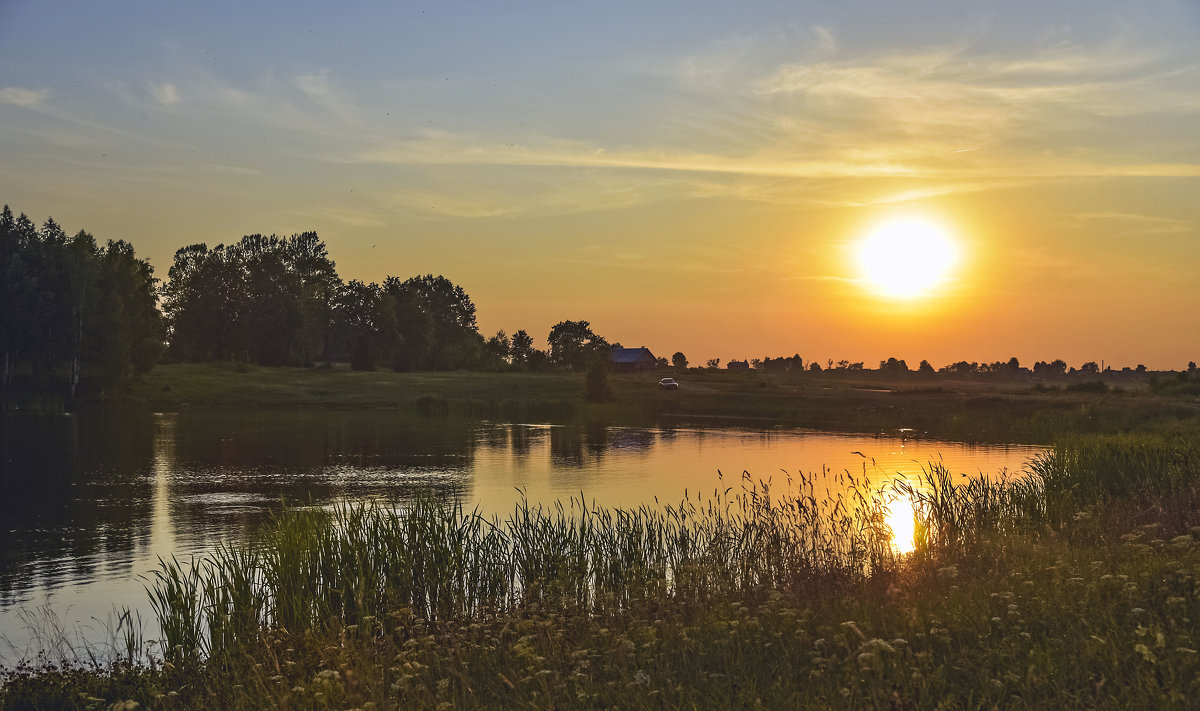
x: 901, y: 518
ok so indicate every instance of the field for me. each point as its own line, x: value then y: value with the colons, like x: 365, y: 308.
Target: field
x: 1002, y: 410
x: 1079, y: 588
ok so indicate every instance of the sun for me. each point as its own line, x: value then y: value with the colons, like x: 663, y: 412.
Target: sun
x: 906, y: 257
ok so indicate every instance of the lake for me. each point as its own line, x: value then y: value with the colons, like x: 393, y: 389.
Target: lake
x: 88, y: 502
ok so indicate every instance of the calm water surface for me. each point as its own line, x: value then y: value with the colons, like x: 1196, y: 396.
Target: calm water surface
x: 89, y: 502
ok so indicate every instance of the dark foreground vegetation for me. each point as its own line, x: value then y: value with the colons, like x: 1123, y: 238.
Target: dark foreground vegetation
x: 1076, y: 588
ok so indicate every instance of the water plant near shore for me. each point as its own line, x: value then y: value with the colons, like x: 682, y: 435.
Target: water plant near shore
x: 319, y: 569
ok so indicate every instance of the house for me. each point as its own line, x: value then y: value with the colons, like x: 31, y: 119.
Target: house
x: 631, y: 360
x: 738, y: 365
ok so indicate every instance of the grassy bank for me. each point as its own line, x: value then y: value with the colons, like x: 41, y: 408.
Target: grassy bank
x: 1004, y: 411
x: 1077, y: 589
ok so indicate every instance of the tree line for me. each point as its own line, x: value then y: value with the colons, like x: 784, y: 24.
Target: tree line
x: 279, y: 301
x: 73, y: 313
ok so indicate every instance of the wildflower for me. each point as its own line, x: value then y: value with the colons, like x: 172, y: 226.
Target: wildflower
x: 867, y: 660
x: 1145, y: 652
x: 996, y: 620
x: 1137, y: 610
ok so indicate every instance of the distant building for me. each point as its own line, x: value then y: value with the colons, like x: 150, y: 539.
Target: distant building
x: 631, y: 360
x: 738, y: 365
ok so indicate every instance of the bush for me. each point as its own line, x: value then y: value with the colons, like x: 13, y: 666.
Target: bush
x: 596, y: 387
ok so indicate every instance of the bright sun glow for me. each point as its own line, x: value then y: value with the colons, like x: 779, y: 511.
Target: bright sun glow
x: 906, y: 257
x: 901, y: 519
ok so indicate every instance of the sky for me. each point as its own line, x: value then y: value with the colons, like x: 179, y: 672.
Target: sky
x: 687, y: 176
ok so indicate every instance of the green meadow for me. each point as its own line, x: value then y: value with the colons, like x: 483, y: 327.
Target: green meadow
x: 995, y: 410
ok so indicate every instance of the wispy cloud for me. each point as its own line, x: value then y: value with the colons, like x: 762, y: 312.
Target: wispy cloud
x: 165, y: 94
x: 1129, y: 224
x: 824, y: 40
x: 25, y: 98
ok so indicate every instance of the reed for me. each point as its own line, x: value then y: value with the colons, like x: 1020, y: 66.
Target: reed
x: 322, y: 570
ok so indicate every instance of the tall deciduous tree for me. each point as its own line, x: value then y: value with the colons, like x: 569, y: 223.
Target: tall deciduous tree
x: 571, y: 342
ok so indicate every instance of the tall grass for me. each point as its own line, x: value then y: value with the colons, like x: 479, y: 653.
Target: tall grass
x: 1147, y: 467
x: 357, y: 564
x: 323, y: 569
x: 950, y: 516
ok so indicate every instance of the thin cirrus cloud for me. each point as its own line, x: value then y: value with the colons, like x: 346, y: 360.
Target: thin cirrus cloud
x: 25, y: 98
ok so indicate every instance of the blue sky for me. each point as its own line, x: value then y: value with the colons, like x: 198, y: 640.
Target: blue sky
x: 690, y: 176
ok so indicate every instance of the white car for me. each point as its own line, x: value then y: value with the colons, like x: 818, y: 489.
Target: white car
x: 668, y: 384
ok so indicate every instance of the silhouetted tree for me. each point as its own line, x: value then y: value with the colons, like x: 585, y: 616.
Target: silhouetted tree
x: 204, y: 302
x: 521, y: 348
x: 415, y: 332
x: 75, y: 312
x: 679, y: 360
x: 572, y: 342
x: 1056, y: 367
x: 497, y: 349
x: 713, y: 363
x: 893, y: 367
x: 363, y: 323
x: 1089, y: 368
x: 453, y: 339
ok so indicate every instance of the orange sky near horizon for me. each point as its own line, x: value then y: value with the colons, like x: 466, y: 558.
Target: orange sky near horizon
x: 686, y: 180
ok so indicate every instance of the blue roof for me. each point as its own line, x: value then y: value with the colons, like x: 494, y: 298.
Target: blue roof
x: 630, y: 355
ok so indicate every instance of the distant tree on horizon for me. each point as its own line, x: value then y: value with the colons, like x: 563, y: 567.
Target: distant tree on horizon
x: 893, y: 367
x: 571, y: 342
x: 679, y: 360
